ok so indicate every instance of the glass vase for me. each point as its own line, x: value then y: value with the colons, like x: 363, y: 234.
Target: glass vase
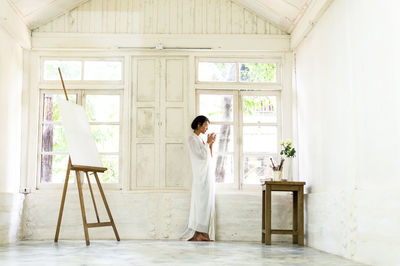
x: 277, y: 175
x: 287, y: 169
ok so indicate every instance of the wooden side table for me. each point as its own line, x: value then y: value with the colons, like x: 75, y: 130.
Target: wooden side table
x: 298, y: 211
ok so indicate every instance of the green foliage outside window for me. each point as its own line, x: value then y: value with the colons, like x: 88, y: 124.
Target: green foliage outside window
x: 258, y: 72
x: 257, y: 104
x: 54, y: 140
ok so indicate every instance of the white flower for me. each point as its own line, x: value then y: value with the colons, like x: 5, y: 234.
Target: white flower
x: 288, y: 142
x: 282, y: 142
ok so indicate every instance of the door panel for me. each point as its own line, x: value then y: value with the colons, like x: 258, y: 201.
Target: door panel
x: 174, y: 122
x: 146, y: 80
x: 145, y: 165
x: 175, y: 170
x: 145, y: 122
x: 175, y: 80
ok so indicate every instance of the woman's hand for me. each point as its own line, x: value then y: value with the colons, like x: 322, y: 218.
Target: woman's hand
x: 211, y: 138
x: 214, y: 136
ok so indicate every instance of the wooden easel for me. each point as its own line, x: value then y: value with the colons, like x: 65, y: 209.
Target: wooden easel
x: 87, y: 170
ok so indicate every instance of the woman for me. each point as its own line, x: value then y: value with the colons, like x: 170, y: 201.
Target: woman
x: 201, y: 218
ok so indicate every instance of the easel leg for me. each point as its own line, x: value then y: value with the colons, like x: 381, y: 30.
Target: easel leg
x: 60, y: 213
x: 106, y: 205
x: 85, y: 228
x: 91, y: 193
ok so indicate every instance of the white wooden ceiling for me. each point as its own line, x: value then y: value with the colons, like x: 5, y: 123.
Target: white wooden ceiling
x: 38, y: 12
x: 283, y: 13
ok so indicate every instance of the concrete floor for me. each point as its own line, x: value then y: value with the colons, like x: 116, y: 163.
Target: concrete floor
x: 162, y: 252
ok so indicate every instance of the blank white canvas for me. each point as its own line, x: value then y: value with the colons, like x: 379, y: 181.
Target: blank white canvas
x: 81, y: 143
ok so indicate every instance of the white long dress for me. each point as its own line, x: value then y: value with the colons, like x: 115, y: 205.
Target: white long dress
x: 202, y: 204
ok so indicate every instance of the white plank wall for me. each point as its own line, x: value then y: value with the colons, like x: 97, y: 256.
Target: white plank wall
x: 161, y: 17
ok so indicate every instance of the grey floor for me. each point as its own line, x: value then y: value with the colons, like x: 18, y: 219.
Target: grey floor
x: 162, y: 252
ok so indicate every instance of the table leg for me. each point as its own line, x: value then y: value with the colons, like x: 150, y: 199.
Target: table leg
x: 295, y: 217
x: 263, y: 216
x: 268, y: 215
x: 300, y: 218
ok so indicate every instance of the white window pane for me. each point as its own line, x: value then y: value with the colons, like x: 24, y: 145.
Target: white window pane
x: 259, y: 139
x: 256, y: 167
x: 54, y: 168
x: 223, y: 72
x: 225, y: 138
x: 111, y: 162
x: 107, y: 137
x: 103, y: 70
x: 224, y: 169
x: 53, y: 138
x: 102, y: 108
x: 217, y: 107
x: 70, y: 70
x: 257, y: 72
x: 50, y: 105
x: 259, y: 109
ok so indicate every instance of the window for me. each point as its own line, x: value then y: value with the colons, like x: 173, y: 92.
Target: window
x: 254, y: 71
x: 72, y: 70
x: 103, y: 108
x: 254, y: 118
x: 102, y: 70
x: 82, y: 70
x: 257, y: 72
x: 103, y: 112
x: 247, y: 122
x: 209, y: 71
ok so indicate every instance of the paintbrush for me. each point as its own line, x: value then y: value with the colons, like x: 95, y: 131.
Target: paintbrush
x: 281, y: 164
x: 273, y: 164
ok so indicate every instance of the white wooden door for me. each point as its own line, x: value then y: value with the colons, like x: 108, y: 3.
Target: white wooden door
x: 159, y: 159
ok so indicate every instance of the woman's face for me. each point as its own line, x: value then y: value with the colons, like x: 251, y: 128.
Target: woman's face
x: 203, y: 128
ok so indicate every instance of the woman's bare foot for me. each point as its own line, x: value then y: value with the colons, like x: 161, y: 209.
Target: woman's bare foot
x: 197, y: 237
x: 204, y: 237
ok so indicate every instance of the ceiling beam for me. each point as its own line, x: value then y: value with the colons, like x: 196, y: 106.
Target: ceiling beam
x: 51, y: 11
x: 216, y: 42
x: 14, y: 25
x: 310, y: 18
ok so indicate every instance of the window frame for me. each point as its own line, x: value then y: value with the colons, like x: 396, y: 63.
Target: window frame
x: 82, y: 80
x: 80, y: 100
x: 238, y: 61
x: 238, y: 125
x: 242, y: 89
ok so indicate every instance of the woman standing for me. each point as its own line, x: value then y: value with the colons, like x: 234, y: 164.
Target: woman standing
x: 202, y: 204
